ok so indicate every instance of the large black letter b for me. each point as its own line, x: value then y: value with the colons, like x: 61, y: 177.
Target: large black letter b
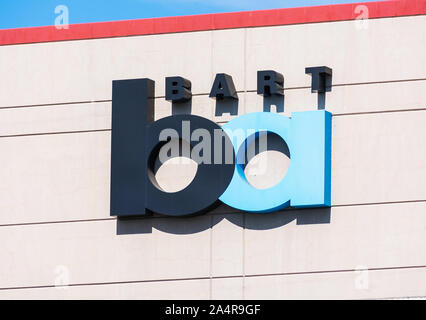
x: 135, y: 143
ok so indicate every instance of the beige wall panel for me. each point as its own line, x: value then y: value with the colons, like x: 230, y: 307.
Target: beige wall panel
x: 381, y: 236
x: 373, y: 97
x: 97, y: 116
x: 162, y: 290
x: 373, y: 284
x: 227, y: 244
x: 376, y: 236
x: 378, y: 97
x: 228, y: 289
x: 228, y: 56
x: 379, y: 158
x: 58, y: 177
x: 105, y: 251
x: 78, y: 71
x: 81, y: 71
x: 359, y: 284
x: 377, y: 53
x: 86, y: 116
x: 53, y: 119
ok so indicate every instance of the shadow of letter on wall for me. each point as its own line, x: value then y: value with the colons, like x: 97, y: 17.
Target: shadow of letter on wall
x: 182, y: 107
x: 275, y: 101
x: 226, y: 106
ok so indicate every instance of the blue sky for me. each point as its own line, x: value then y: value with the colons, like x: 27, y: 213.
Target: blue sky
x: 32, y: 13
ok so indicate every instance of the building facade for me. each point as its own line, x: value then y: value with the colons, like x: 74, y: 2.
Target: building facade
x: 58, y: 239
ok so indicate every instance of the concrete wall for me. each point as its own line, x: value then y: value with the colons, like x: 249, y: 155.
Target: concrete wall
x: 55, y: 120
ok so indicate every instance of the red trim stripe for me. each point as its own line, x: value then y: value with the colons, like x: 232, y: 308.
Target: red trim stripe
x: 380, y: 9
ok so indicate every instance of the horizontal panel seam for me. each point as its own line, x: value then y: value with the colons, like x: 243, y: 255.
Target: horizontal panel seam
x: 218, y: 122
x: 206, y: 94
x: 403, y: 298
x: 54, y: 133
x: 217, y: 277
x: 157, y: 216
